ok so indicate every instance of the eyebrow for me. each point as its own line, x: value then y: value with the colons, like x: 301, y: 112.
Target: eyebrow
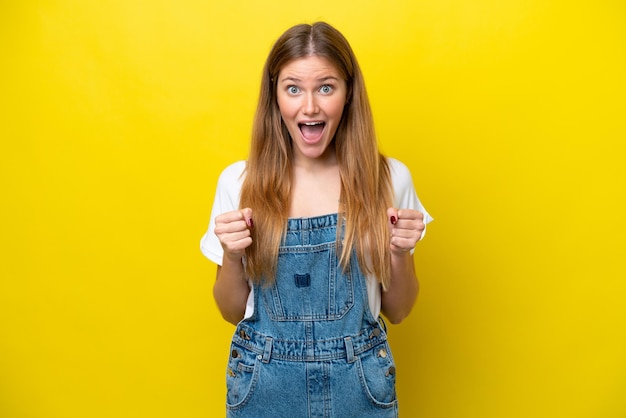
x: 296, y: 80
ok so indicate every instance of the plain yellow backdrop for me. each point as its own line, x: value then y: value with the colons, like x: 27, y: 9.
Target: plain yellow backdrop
x: 117, y: 116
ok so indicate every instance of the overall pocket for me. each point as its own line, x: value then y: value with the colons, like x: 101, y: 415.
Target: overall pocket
x: 377, y: 374
x: 241, y: 376
x: 310, y: 285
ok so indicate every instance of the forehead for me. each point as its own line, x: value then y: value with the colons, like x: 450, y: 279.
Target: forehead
x: 312, y: 66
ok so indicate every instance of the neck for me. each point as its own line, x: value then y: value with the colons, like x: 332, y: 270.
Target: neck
x: 324, y: 162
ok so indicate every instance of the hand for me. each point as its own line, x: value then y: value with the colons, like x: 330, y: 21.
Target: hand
x: 406, y: 227
x: 233, y: 231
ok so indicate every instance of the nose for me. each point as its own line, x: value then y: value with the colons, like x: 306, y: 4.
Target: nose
x: 310, y: 106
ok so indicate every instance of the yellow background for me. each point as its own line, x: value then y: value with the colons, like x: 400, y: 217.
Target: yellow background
x: 117, y: 116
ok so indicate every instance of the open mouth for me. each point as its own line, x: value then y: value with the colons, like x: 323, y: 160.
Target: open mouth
x: 312, y: 131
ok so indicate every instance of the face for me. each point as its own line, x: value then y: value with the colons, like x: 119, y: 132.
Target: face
x: 311, y: 97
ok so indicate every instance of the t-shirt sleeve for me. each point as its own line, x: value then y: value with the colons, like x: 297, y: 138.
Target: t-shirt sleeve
x: 404, y: 190
x: 226, y: 200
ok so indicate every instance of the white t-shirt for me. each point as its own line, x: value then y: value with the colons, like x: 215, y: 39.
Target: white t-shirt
x: 227, y: 199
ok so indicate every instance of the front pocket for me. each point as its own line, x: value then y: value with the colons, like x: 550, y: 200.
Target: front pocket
x: 377, y: 373
x: 310, y: 285
x: 241, y: 376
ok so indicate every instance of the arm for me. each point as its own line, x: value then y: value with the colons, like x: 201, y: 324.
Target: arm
x: 231, y: 293
x: 231, y: 288
x: 406, y: 229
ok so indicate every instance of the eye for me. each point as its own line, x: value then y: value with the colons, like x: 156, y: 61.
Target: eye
x: 326, y: 89
x: 293, y: 90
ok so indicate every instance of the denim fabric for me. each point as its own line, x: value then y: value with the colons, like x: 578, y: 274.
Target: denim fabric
x: 312, y: 348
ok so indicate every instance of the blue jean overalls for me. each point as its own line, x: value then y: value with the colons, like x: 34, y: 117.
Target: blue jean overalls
x: 312, y: 347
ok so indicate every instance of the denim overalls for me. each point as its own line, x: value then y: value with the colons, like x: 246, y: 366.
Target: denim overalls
x: 312, y: 348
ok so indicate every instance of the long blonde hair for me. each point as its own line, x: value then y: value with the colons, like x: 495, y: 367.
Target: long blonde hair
x: 366, y: 190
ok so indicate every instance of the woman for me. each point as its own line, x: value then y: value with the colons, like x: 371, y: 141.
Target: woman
x: 313, y: 237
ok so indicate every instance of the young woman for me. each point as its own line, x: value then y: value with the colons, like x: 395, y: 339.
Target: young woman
x: 313, y: 236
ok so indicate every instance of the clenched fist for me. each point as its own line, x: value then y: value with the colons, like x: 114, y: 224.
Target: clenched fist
x: 233, y: 231
x: 406, y: 226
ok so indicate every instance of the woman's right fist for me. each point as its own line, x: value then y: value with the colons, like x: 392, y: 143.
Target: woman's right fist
x: 233, y: 231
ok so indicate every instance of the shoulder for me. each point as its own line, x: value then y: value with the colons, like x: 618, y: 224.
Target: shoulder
x: 402, y: 183
x: 400, y: 173
x: 233, y: 174
x: 234, y: 170
x: 229, y: 186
